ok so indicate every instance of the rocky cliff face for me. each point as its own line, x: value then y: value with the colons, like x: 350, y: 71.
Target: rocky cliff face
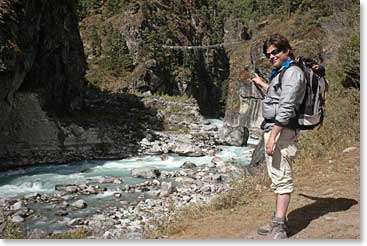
x: 47, y: 113
x: 243, y: 102
x: 40, y: 51
x: 41, y: 69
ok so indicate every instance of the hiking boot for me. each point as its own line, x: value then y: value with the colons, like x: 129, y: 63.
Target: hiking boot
x: 275, y: 223
x: 278, y: 232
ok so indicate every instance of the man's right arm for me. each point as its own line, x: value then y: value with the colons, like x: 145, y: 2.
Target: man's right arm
x: 259, y: 82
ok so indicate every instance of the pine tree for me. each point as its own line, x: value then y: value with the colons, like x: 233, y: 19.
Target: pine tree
x: 118, y: 58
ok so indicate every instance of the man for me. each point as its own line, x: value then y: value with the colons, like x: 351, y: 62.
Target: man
x: 282, y: 100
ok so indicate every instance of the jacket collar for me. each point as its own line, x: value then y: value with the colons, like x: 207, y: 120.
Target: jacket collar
x: 275, y: 71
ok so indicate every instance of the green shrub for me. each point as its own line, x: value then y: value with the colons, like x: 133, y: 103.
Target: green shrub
x: 117, y: 57
x: 85, y: 7
x: 349, y: 62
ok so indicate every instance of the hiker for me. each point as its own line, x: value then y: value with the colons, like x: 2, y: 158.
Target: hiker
x: 280, y: 103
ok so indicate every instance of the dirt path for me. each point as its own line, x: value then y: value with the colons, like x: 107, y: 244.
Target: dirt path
x: 325, y: 205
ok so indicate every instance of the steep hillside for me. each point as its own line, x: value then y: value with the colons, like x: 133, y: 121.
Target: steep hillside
x: 127, y: 49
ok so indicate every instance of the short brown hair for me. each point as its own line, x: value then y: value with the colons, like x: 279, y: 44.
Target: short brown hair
x: 278, y: 41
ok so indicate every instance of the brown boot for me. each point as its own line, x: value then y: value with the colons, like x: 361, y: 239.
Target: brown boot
x: 276, y: 228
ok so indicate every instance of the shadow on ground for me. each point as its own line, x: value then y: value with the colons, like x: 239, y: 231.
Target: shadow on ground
x: 300, y: 218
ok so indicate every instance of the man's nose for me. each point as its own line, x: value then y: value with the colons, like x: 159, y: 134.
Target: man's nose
x: 271, y: 56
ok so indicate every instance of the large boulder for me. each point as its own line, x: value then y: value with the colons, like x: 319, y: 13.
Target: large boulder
x: 79, y: 204
x: 188, y: 165
x: 236, y: 136
x: 167, y: 188
x: 187, y: 149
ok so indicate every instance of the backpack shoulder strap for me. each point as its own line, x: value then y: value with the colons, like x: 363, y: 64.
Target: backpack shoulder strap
x: 281, y: 74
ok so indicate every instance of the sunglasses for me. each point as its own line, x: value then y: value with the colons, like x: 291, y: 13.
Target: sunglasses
x: 274, y: 52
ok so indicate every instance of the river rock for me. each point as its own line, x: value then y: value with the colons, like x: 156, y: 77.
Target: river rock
x: 99, y: 217
x: 350, y: 149
x: 187, y: 149
x: 147, y: 173
x: 37, y: 234
x: 211, y: 152
x: 188, y: 165
x: 217, y: 161
x: 153, y: 193
x: 91, y: 190
x: 210, y: 128
x: 69, y: 188
x: 24, y: 212
x: 110, y: 180
x: 61, y: 213
x: 217, y: 177
x: 107, y: 235
x: 145, y: 141
x: 156, y: 149
x: 59, y: 232
x: 79, y: 204
x: 32, y: 196
x: 156, y: 182
x: 16, y: 206
x: 117, y: 195
x: 3, y: 202
x: 167, y: 188
x: 67, y: 197
x: 188, y: 181
x: 124, y: 204
x: 164, y: 157
x: 17, y: 219
x: 76, y: 221
x: 206, y: 188
x: 145, y: 189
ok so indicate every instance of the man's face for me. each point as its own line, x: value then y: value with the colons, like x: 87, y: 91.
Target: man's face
x: 277, y: 56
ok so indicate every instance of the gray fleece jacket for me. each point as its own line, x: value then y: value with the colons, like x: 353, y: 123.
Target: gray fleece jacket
x: 283, y: 100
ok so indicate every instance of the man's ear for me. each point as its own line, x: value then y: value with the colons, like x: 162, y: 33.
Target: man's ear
x: 287, y: 52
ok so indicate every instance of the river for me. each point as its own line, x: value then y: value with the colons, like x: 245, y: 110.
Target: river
x: 41, y: 181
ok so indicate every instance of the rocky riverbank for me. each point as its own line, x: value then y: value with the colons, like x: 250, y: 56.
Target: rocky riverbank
x: 153, y: 200
x: 110, y: 207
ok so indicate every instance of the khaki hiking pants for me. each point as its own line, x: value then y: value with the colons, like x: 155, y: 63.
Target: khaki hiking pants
x: 279, y: 165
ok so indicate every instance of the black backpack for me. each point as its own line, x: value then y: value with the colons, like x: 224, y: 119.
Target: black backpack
x: 312, y: 110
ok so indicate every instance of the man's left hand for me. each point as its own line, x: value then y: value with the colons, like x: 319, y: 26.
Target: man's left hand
x: 270, y: 146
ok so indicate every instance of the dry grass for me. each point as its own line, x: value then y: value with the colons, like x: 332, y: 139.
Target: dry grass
x: 241, y: 190
x: 13, y: 231
x: 174, y: 221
